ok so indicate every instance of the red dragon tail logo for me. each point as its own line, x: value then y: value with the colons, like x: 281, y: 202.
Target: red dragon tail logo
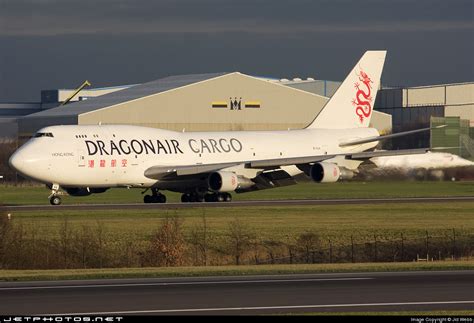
x: 363, y: 99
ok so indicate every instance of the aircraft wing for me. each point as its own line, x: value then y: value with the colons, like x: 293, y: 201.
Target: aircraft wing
x: 173, y: 172
x: 168, y: 172
x: 271, y: 163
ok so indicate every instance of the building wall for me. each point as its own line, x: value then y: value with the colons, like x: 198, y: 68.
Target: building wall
x: 28, y: 126
x: 8, y: 128
x: 18, y: 109
x: 460, y: 94
x: 463, y: 111
x: 61, y: 95
x: 446, y: 94
x: 9, y: 114
x: 412, y: 108
x: 423, y: 96
x: 320, y: 87
x: 190, y: 107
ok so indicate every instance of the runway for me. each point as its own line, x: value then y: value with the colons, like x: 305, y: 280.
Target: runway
x: 353, y: 292
x: 165, y: 206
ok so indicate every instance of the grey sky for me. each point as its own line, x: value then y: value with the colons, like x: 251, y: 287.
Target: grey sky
x: 59, y: 43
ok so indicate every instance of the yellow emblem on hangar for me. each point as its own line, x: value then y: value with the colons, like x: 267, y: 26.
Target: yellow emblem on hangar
x: 236, y: 104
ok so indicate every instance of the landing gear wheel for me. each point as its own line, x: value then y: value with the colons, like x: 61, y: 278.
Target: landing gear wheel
x: 148, y: 199
x: 156, y: 197
x: 220, y: 198
x: 210, y: 197
x: 160, y: 198
x: 185, y: 198
x: 227, y: 197
x: 55, y: 200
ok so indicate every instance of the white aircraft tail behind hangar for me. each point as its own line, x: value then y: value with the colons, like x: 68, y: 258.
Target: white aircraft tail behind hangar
x: 208, y: 166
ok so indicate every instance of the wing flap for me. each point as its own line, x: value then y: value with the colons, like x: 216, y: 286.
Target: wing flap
x: 277, y: 162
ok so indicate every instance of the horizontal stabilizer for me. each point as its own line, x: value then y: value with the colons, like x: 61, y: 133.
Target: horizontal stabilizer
x: 381, y: 153
x: 378, y: 138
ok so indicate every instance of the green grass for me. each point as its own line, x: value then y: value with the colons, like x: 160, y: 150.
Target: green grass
x: 273, y: 222
x: 337, y: 222
x: 38, y: 195
x: 113, y: 273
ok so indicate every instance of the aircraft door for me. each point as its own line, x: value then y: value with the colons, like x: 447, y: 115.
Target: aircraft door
x: 81, y: 158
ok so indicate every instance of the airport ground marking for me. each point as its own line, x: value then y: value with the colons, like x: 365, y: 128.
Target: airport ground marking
x: 186, y: 283
x: 263, y: 308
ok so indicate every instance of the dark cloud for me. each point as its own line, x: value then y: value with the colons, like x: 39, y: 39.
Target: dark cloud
x: 59, y: 43
x: 55, y: 17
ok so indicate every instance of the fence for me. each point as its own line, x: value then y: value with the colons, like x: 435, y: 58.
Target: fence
x: 24, y: 247
x: 452, y: 245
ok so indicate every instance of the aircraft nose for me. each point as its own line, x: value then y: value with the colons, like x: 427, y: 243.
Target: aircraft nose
x: 17, y: 161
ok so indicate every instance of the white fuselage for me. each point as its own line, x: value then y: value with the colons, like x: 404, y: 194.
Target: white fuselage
x: 118, y: 155
x: 429, y: 160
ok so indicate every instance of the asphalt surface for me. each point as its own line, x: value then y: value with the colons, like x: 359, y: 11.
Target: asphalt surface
x: 365, y: 292
x: 164, y: 206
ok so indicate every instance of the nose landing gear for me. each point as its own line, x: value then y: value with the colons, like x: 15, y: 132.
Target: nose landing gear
x: 54, y: 198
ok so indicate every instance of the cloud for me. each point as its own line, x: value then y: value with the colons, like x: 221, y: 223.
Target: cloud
x: 114, y: 17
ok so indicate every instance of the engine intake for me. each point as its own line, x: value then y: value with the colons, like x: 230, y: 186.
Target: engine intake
x: 325, y: 172
x: 329, y: 173
x: 227, y: 182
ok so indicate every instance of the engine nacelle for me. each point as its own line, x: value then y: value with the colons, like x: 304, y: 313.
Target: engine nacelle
x: 325, y: 173
x: 85, y: 191
x: 329, y: 173
x: 227, y: 182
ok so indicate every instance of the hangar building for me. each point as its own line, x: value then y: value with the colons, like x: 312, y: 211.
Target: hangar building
x: 235, y: 101
x: 200, y: 102
x: 424, y: 106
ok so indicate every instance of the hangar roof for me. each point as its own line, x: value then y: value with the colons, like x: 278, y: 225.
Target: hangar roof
x: 129, y: 94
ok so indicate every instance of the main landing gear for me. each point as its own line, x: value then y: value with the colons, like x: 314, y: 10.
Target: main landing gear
x: 208, y: 197
x: 156, y: 197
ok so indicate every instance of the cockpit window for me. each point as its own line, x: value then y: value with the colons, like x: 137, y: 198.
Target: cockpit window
x: 43, y: 134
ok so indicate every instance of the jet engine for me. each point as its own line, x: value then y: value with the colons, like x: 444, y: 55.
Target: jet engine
x: 85, y: 191
x: 227, y: 182
x: 329, y: 173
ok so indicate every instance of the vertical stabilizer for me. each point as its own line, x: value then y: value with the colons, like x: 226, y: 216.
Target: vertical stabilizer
x: 352, y: 104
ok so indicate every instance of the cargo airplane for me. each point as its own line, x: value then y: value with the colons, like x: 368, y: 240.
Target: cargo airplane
x: 431, y: 165
x: 208, y: 166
